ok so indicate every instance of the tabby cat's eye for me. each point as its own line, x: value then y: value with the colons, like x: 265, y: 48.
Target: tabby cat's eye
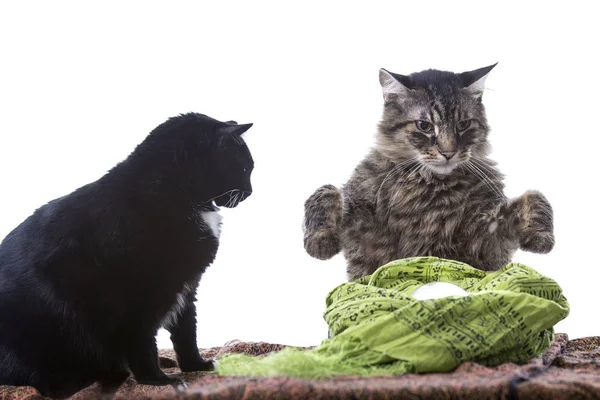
x: 424, y: 126
x: 462, y: 125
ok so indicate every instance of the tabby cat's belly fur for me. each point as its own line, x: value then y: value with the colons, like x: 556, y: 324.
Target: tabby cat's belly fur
x: 457, y: 218
x: 372, y: 242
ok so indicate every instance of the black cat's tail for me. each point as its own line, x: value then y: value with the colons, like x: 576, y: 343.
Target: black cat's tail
x: 323, y: 212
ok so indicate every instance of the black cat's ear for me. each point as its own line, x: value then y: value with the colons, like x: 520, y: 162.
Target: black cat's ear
x: 237, y: 129
x: 394, y: 85
x: 474, y: 81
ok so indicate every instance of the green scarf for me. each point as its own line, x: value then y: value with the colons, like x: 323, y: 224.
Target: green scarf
x: 377, y: 328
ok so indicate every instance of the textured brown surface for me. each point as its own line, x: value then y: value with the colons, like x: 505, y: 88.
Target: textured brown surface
x: 568, y: 370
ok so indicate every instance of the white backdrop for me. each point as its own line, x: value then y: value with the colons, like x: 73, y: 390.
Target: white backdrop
x: 82, y: 84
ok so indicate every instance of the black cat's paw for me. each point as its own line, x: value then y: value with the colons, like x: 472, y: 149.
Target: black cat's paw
x: 197, y: 365
x: 111, y: 383
x: 180, y: 385
x: 536, y: 222
x: 176, y: 382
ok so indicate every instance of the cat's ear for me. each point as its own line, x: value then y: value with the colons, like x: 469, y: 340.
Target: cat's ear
x: 474, y: 81
x: 394, y: 85
x: 233, y: 129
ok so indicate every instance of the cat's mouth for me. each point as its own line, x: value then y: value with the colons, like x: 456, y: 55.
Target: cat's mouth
x: 231, y: 198
x: 443, y: 167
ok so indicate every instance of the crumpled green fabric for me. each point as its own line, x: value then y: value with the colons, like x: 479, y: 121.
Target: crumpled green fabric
x: 378, y: 328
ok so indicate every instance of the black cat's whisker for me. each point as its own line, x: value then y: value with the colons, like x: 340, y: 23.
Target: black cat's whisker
x: 231, y: 194
x: 217, y: 196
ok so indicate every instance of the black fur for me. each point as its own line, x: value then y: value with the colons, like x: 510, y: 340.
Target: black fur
x: 89, y: 278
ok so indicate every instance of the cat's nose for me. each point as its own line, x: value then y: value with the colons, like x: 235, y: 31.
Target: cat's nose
x: 448, y: 154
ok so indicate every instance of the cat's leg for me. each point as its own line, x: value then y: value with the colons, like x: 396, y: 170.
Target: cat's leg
x: 183, y: 336
x: 533, y: 217
x: 486, y: 238
x: 142, y: 356
x: 112, y: 382
x: 322, y: 218
x: 113, y: 376
x: 367, y: 243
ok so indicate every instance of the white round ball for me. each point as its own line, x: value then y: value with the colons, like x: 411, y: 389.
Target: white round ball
x: 436, y: 290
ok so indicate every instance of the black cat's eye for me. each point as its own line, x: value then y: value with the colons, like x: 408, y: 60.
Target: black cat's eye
x: 462, y: 125
x: 424, y: 126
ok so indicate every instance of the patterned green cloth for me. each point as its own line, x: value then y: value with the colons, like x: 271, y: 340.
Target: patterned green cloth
x: 377, y: 328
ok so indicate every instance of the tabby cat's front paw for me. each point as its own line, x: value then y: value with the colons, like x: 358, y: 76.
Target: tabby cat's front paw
x: 536, y: 225
x: 322, y: 244
x: 322, y: 217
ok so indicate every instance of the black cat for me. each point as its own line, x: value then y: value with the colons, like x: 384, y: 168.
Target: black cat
x: 90, y: 277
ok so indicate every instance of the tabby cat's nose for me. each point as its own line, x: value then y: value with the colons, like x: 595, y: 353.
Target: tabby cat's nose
x: 448, y: 154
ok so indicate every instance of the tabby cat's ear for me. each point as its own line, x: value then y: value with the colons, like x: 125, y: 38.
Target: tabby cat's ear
x: 474, y: 81
x: 233, y: 128
x: 394, y: 85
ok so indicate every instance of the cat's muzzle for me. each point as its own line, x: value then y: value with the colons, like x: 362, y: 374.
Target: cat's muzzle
x: 232, y: 198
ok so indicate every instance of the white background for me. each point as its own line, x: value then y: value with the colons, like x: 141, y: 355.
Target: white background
x: 82, y: 84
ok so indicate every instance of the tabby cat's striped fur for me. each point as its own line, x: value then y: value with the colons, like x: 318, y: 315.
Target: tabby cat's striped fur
x: 427, y: 188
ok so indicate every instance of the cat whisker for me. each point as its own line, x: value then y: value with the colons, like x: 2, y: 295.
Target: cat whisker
x: 483, y: 168
x: 484, y: 163
x: 393, y: 172
x: 219, y: 195
x: 404, y: 178
x: 230, y: 201
x: 485, y: 179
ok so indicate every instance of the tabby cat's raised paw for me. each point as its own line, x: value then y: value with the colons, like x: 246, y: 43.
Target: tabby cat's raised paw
x: 535, y: 216
x: 322, y: 244
x: 322, y: 217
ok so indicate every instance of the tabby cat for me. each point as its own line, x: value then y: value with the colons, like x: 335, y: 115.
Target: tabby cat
x: 88, y: 279
x: 427, y: 187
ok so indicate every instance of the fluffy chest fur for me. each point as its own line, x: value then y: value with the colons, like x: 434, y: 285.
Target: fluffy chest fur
x: 423, y: 210
x: 388, y: 217
x: 211, y: 220
x: 209, y: 224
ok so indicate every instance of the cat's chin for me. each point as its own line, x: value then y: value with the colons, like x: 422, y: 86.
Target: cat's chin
x: 215, y: 206
x: 445, y: 169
